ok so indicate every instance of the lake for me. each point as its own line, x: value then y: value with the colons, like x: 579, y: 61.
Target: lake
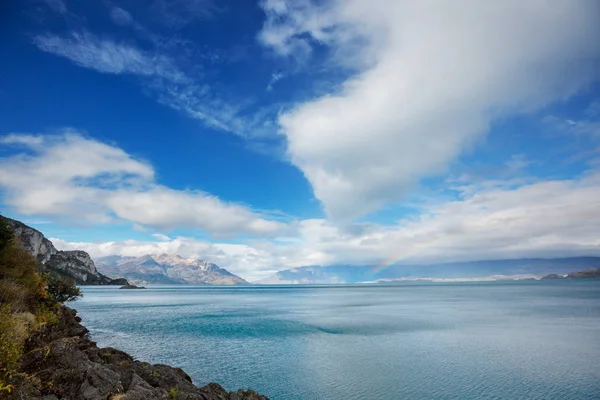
x: 492, y: 340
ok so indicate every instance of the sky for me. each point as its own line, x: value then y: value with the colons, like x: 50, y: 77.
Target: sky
x: 275, y: 134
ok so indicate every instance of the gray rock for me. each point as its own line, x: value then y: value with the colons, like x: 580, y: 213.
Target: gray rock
x: 75, y: 264
x: 70, y: 366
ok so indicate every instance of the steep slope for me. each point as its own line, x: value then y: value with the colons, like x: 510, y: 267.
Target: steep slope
x: 72, y: 264
x: 356, y: 274
x: 165, y: 268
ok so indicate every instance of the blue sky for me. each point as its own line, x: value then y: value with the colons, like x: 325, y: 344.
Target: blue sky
x: 273, y: 134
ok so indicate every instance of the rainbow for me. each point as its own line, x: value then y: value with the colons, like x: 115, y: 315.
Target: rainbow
x: 387, y: 263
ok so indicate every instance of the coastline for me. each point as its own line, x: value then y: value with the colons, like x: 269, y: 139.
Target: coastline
x: 66, y: 364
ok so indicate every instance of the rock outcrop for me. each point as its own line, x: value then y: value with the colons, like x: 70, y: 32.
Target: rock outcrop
x: 552, y: 276
x: 75, y: 264
x: 131, y: 287
x: 587, y: 274
x: 591, y: 273
x: 165, y: 268
x: 63, y: 363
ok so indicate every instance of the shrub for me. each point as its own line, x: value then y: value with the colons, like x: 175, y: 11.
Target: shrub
x: 14, y: 295
x: 24, y: 288
x: 62, y: 290
x: 46, y: 315
x: 13, y: 333
x: 173, y: 393
x: 23, y: 301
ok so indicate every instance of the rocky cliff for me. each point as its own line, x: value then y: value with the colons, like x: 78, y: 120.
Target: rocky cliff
x: 71, y: 264
x: 165, y: 268
x: 66, y: 364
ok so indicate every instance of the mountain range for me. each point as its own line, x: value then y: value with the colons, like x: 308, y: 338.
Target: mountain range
x: 494, y: 269
x: 166, y: 269
x: 173, y: 269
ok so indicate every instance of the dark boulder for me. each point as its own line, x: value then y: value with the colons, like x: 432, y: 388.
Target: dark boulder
x: 129, y: 286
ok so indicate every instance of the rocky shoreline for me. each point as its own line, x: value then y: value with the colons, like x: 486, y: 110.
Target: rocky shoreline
x: 62, y: 362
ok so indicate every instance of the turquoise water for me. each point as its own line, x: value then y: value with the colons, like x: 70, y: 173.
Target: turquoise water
x: 501, y: 340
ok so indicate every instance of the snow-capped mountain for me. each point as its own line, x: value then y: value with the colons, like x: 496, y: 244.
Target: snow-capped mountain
x: 167, y: 269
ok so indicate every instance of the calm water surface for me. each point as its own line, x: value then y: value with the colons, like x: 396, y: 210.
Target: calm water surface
x: 501, y: 340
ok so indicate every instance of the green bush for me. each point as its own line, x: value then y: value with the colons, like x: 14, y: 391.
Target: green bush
x: 24, y: 303
x: 62, y: 290
x: 173, y: 393
x: 18, y: 274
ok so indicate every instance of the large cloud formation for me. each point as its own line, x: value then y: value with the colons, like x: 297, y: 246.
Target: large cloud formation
x: 432, y: 77
x: 78, y: 177
x: 490, y: 220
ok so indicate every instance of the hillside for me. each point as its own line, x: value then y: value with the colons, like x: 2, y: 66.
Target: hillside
x: 46, y: 354
x: 74, y: 264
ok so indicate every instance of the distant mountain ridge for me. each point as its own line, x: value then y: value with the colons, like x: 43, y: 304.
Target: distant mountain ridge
x: 587, y: 274
x: 75, y: 264
x: 356, y: 274
x: 167, y: 269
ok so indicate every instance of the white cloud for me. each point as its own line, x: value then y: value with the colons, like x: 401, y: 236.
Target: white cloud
x: 490, y: 221
x: 239, y: 259
x: 168, y: 208
x: 160, y: 236
x: 22, y: 139
x: 433, y: 78
x: 69, y: 175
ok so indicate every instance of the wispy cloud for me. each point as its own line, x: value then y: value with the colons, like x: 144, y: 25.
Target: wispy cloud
x: 120, y: 16
x: 275, y: 77
x: 165, y: 78
x: 57, y: 6
x: 107, y: 56
x: 586, y: 124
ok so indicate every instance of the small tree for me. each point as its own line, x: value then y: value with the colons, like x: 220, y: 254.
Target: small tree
x: 62, y: 290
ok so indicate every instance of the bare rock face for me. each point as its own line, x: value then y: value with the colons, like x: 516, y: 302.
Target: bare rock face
x: 74, y: 264
x: 33, y: 241
x: 67, y: 365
